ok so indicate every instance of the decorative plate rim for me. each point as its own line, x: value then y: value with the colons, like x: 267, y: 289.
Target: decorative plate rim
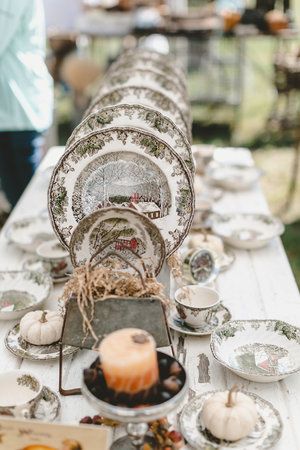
x: 247, y: 321
x: 32, y: 358
x: 138, y: 59
x: 116, y: 210
x: 185, y: 171
x: 112, y: 91
x: 251, y: 394
x: 133, y: 106
x: 163, y: 58
x: 196, y: 333
x: 152, y: 70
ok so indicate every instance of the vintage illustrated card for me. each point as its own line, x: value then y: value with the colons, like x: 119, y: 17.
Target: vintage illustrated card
x: 34, y: 435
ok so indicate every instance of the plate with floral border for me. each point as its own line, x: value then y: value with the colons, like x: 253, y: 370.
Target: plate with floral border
x: 148, y: 78
x: 122, y: 167
x: 120, y: 230
x: 142, y: 96
x: 138, y: 116
x: 266, y: 433
x: 146, y: 63
x: 19, y: 347
x: 152, y: 59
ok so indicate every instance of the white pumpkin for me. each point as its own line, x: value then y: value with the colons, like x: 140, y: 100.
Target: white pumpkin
x: 207, y: 241
x: 229, y: 418
x: 41, y: 327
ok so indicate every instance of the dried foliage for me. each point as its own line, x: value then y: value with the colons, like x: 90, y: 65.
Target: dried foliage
x: 175, y: 266
x: 92, y: 284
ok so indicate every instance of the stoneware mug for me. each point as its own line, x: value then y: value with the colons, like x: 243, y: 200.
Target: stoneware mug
x: 195, y: 304
x: 19, y: 393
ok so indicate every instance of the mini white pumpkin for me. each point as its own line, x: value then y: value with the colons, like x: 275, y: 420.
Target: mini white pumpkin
x: 227, y: 418
x: 41, y: 327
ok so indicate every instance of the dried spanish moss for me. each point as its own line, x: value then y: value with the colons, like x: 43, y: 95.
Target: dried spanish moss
x: 175, y: 266
x: 91, y: 285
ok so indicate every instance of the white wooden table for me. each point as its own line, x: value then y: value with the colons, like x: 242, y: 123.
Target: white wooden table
x: 260, y: 284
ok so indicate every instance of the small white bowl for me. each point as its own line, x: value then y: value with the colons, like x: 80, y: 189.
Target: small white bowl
x: 258, y: 350
x: 29, y: 232
x: 195, y: 304
x: 247, y: 231
x: 19, y: 392
x: 22, y: 291
x: 233, y: 177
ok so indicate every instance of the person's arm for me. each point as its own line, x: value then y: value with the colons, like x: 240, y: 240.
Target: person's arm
x: 11, y: 12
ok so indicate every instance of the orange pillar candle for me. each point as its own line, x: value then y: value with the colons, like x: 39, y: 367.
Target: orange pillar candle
x: 129, y: 360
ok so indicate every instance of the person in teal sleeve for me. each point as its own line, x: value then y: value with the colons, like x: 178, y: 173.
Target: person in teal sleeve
x: 26, y: 93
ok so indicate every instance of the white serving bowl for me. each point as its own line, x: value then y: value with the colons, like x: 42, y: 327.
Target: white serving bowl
x: 258, y: 350
x: 22, y: 291
x: 247, y: 231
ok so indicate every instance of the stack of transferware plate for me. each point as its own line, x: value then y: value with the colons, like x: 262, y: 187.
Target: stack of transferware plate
x: 125, y: 181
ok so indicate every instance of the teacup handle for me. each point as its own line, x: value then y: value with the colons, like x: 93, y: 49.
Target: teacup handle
x: 22, y: 412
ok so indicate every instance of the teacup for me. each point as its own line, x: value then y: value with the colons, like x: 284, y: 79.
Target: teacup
x: 57, y: 257
x: 195, y: 304
x: 19, y: 393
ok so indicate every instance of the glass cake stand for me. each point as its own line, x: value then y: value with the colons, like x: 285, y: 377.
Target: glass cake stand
x: 137, y: 419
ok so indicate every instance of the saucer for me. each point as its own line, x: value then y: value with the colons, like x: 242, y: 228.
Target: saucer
x: 266, y: 433
x: 48, y: 407
x: 38, y: 265
x: 221, y: 315
x: 19, y: 347
x: 225, y: 260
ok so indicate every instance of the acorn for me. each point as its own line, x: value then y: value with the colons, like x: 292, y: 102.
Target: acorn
x: 90, y: 375
x: 97, y: 420
x: 175, y: 436
x: 171, y: 384
x: 175, y: 368
x: 86, y: 419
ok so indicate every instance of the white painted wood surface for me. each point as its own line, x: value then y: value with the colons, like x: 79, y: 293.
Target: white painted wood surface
x: 260, y: 284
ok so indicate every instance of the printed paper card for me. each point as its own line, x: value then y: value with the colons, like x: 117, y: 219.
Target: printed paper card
x: 34, y: 435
